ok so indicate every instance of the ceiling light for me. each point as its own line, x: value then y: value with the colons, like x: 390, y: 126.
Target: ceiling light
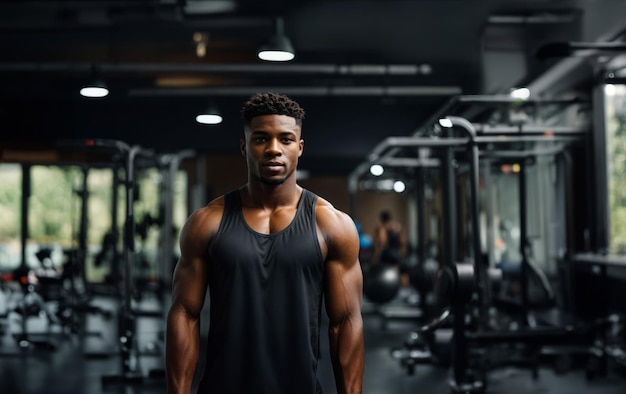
x: 609, y: 90
x: 278, y: 48
x: 377, y: 170
x: 202, y: 41
x: 445, y: 122
x: 95, y: 87
x: 399, y: 186
x: 209, y: 116
x: 520, y: 93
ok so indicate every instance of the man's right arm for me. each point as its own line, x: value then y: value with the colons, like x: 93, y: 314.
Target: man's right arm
x: 189, y: 287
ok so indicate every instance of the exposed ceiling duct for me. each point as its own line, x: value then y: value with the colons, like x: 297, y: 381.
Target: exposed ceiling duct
x: 509, y: 42
x: 324, y: 88
x: 259, y: 68
x: 371, y: 68
x: 391, y: 91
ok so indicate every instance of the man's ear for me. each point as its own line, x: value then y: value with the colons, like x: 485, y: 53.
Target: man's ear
x: 301, y: 143
x: 242, y: 146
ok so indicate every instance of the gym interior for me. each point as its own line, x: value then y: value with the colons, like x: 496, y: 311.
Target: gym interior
x: 493, y: 131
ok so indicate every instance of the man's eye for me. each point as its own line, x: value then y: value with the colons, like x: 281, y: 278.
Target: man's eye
x: 287, y: 140
x: 260, y: 139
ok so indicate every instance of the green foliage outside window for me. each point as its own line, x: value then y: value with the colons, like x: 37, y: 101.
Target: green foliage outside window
x: 616, y: 164
x: 100, y: 186
x: 10, y: 200
x: 54, y: 206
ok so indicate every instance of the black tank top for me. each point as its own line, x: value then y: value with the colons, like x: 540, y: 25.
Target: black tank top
x: 391, y: 253
x: 265, y: 305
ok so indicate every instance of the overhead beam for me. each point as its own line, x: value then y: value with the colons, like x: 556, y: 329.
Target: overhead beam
x: 302, y: 91
x: 258, y: 68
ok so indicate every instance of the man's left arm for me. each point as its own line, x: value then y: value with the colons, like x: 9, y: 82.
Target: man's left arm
x: 343, y: 295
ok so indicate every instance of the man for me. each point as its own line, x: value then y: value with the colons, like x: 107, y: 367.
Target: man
x: 390, y: 247
x: 269, y: 253
x: 390, y: 243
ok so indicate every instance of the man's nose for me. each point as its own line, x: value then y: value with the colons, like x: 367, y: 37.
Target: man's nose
x: 273, y: 147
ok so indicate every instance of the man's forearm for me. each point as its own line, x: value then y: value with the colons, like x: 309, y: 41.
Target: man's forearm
x: 181, y: 354
x: 347, y: 354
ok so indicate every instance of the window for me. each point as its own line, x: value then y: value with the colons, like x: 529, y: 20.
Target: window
x: 545, y: 215
x: 10, y: 212
x: 58, y: 224
x: 53, y: 213
x: 615, y: 118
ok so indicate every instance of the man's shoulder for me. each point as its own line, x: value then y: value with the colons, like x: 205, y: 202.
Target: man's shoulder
x: 209, y: 215
x: 326, y: 209
x: 330, y: 218
x: 337, y: 228
x: 215, y: 205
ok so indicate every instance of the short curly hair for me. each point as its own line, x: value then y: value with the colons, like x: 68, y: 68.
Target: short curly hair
x: 271, y: 103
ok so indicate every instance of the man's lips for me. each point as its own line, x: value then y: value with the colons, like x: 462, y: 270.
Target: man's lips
x: 273, y: 166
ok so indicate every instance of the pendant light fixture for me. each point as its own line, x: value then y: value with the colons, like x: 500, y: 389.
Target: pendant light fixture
x: 95, y: 86
x: 278, y: 48
x: 211, y: 115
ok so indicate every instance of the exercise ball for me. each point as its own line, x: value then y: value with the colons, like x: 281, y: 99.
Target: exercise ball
x: 381, y: 283
x: 423, y: 275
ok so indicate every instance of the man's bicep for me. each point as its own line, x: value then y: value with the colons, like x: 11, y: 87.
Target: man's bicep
x: 344, y: 287
x: 344, y: 279
x: 189, y: 285
x: 191, y: 273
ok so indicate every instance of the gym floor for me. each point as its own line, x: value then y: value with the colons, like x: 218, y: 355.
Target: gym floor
x: 70, y: 363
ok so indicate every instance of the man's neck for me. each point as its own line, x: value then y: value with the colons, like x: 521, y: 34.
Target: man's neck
x: 261, y: 195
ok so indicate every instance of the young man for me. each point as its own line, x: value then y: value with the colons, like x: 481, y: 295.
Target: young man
x: 390, y: 247
x: 269, y: 253
x: 390, y: 242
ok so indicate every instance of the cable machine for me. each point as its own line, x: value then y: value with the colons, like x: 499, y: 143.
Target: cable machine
x: 468, y: 371
x: 130, y: 370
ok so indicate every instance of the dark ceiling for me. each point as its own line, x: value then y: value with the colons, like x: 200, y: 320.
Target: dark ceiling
x: 364, y: 70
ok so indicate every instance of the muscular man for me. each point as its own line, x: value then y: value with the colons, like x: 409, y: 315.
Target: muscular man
x: 390, y: 247
x: 269, y: 252
x: 390, y: 243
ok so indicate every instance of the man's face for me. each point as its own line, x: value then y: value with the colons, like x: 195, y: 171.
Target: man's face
x: 272, y: 147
